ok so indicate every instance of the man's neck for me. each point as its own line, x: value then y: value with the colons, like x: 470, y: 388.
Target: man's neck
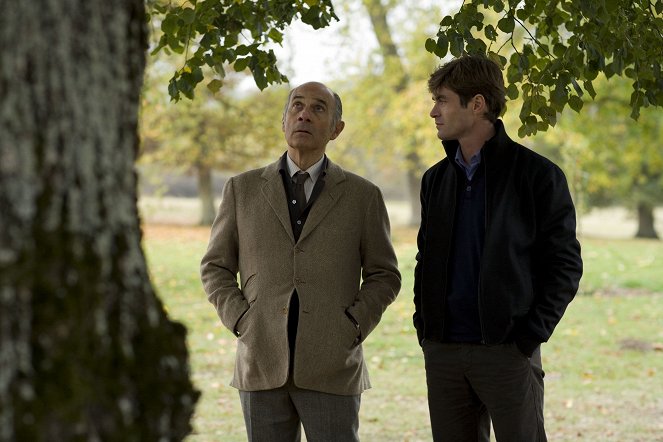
x: 472, y: 143
x: 304, y: 160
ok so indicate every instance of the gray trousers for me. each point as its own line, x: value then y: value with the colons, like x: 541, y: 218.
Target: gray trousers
x: 466, y: 380
x: 278, y: 415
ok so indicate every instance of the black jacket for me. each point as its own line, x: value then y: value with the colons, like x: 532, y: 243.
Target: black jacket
x: 531, y: 264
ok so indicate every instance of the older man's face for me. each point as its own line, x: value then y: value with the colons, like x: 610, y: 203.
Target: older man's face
x: 307, y: 121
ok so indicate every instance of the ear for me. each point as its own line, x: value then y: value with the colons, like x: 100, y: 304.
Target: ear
x: 339, y: 128
x: 479, y: 104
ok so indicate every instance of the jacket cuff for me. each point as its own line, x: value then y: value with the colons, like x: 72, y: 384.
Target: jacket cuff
x: 527, y: 345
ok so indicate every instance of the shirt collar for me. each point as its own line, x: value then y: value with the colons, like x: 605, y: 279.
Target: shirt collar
x: 313, y: 171
x: 472, y: 166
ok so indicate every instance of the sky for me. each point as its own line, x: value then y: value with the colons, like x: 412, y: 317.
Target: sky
x: 309, y: 54
x: 329, y: 53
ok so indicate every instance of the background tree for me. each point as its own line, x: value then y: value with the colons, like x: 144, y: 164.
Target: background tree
x: 229, y: 131
x: 87, y: 350
x: 387, y: 99
x: 612, y: 159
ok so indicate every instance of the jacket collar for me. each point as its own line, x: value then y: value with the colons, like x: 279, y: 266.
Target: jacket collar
x: 496, y: 148
x: 274, y: 193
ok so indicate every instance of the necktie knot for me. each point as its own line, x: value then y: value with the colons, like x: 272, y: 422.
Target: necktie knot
x: 301, y: 177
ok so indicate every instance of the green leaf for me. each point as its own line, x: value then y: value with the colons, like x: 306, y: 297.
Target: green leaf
x: 476, y: 46
x: 559, y: 97
x: 430, y: 45
x: 241, y: 64
x: 589, y: 88
x: 538, y: 102
x: 575, y: 103
x: 197, y: 75
x: 559, y: 50
x: 215, y: 85
x: 447, y: 21
x: 512, y: 91
x: 442, y: 46
x: 612, y: 5
x: 548, y: 115
x: 169, y: 24
x: 456, y: 45
x: 275, y: 35
x: 490, y: 33
x: 506, y: 24
x: 188, y: 15
x: 522, y: 14
x: 259, y: 78
x: 172, y: 88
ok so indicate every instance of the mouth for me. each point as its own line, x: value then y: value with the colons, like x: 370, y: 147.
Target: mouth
x: 302, y: 131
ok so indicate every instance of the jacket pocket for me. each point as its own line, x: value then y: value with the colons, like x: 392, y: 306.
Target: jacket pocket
x: 248, y: 288
x: 355, y: 331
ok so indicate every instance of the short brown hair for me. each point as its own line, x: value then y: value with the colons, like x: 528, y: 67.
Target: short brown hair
x: 471, y: 75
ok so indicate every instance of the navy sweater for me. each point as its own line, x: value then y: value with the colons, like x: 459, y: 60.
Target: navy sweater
x: 462, y: 303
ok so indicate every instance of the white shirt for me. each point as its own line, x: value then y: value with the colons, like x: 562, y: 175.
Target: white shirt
x: 313, y: 174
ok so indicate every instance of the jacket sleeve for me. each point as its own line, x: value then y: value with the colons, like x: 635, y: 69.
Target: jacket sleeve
x: 557, y: 264
x: 219, y: 266
x: 421, y: 244
x: 381, y: 279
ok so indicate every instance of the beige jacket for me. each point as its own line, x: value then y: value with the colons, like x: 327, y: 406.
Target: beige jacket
x: 343, y: 260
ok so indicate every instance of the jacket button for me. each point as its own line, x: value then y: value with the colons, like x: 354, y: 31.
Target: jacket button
x: 300, y: 281
x: 284, y: 310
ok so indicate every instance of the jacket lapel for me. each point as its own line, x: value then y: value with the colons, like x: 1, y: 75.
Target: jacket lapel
x: 329, y: 196
x: 274, y: 193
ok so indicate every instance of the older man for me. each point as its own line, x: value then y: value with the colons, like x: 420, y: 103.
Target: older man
x: 316, y: 269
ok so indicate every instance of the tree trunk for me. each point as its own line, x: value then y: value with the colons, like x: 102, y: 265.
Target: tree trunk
x: 646, y: 227
x: 394, y: 66
x: 206, y: 196
x: 414, y: 189
x: 86, y: 349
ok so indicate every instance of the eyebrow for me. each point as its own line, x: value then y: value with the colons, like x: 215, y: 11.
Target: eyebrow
x: 319, y: 100
x: 438, y: 96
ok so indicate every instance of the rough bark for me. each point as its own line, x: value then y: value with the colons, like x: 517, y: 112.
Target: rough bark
x: 86, y: 349
x: 646, y: 219
x: 378, y: 15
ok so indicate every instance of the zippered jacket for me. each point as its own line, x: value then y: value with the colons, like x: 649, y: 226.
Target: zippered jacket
x: 531, y: 263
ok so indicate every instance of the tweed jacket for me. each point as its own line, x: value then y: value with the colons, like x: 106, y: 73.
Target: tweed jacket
x: 342, y: 261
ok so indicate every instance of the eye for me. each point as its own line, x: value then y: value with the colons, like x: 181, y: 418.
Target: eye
x: 319, y: 108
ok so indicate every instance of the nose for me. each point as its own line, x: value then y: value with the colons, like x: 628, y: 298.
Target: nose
x: 433, y: 112
x: 304, y: 114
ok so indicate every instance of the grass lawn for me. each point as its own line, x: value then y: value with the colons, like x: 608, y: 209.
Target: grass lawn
x: 604, y: 364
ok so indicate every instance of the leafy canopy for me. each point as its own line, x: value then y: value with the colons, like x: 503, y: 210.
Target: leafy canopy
x: 565, y: 45
x: 218, y: 33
